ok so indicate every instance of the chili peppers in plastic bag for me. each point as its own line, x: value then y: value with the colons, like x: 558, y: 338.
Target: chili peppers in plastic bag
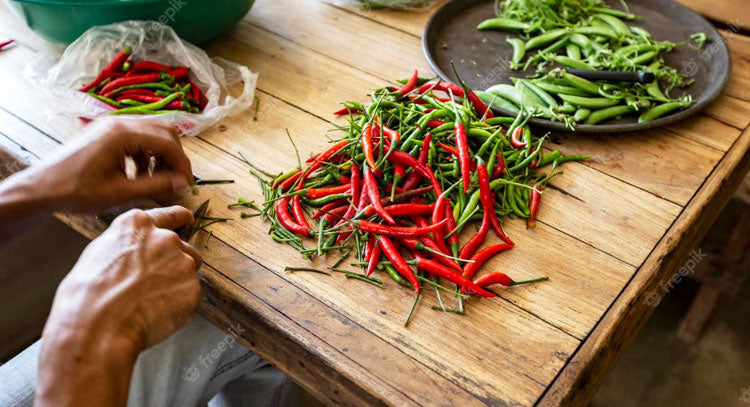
x: 134, y: 64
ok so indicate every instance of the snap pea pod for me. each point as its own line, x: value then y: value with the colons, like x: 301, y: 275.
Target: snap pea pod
x: 558, y: 89
x: 616, y: 13
x: 571, y: 63
x: 580, y: 40
x: 609, y: 113
x: 591, y: 102
x: 655, y: 92
x: 545, y: 38
x: 501, y: 23
x: 580, y: 83
x: 598, y: 31
x: 645, y: 57
x: 661, y: 110
x: 540, y: 93
x: 519, y: 51
x: 614, y: 22
x: 573, y: 51
x: 529, y: 95
x: 581, y: 114
x: 496, y: 101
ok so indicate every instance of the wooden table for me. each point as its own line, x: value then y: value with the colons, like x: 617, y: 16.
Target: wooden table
x: 611, y: 229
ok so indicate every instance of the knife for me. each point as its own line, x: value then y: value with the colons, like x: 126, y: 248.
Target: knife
x: 188, y: 231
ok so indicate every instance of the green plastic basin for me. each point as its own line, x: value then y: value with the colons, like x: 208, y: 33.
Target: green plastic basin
x: 196, y: 21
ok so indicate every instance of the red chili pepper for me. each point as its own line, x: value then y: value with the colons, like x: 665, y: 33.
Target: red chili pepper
x: 451, y: 275
x: 515, y: 138
x: 411, y: 84
x: 346, y: 111
x: 335, y: 213
x: 373, y: 260
x: 132, y: 80
x: 115, y: 65
x: 536, y: 197
x: 409, y: 209
x: 473, y: 244
x: 397, y: 231
x: 479, y: 106
x: 453, y: 239
x: 195, y: 91
x: 147, y: 66
x: 355, y: 185
x: 130, y: 92
x: 499, y: 166
x: 494, y: 278
x: 6, y: 43
x: 315, y: 193
x: 535, y: 161
x: 462, y: 143
x: 329, y: 207
x: 455, y: 153
x: 371, y: 186
x: 391, y: 252
x: 287, y: 183
x: 179, y: 73
x: 488, y: 203
x: 392, y: 135
x: 435, y: 123
x: 442, y: 86
x: 420, y: 244
x: 501, y: 278
x: 414, y: 178
x: 299, y: 213
x: 481, y: 257
x: 438, y: 214
x: 282, y: 212
x: 103, y: 75
x: 367, y: 146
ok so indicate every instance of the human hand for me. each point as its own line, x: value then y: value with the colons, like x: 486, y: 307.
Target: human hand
x: 89, y: 173
x: 131, y: 288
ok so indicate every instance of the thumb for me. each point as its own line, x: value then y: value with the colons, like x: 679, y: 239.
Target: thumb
x: 160, y: 183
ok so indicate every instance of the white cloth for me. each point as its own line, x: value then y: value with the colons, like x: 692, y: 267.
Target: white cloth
x: 198, y: 365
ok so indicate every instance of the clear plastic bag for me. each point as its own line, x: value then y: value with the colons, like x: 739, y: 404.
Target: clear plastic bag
x: 392, y: 4
x: 59, y: 76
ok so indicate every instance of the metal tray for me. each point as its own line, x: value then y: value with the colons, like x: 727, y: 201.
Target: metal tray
x: 481, y: 57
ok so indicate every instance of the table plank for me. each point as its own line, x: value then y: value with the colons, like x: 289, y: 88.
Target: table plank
x: 731, y: 12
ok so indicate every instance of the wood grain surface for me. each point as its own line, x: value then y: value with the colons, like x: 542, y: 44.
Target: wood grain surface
x: 610, y: 228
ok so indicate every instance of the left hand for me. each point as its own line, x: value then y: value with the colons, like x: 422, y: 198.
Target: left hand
x: 89, y: 174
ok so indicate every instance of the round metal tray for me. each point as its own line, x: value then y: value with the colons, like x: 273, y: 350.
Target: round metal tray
x: 481, y: 57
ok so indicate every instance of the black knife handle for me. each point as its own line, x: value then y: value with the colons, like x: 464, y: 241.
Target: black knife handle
x: 640, y: 77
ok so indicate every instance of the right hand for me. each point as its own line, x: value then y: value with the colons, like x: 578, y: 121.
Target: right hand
x: 137, y: 281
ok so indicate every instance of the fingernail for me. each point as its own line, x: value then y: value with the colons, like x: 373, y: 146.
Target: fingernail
x: 179, y: 184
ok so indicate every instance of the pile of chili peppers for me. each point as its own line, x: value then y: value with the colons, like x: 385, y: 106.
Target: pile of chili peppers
x: 145, y: 87
x: 415, y: 167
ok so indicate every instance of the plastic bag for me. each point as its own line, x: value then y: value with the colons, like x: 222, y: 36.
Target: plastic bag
x: 60, y: 76
x: 392, y: 4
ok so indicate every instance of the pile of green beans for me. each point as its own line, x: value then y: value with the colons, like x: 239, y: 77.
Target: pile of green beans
x: 587, y: 35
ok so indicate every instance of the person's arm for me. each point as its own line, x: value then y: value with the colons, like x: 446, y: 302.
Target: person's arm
x: 89, y: 174
x: 132, y: 287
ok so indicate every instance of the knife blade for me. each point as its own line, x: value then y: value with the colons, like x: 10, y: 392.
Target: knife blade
x: 186, y: 232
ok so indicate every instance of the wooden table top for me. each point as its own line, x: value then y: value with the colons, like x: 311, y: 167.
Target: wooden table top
x: 610, y: 230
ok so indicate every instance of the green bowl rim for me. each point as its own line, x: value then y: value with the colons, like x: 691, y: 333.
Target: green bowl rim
x: 115, y: 3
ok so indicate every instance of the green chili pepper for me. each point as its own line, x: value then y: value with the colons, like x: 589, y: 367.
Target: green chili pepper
x: 148, y: 108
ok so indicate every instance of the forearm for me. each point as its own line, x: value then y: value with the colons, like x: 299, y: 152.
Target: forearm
x: 82, y: 369
x: 25, y: 196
